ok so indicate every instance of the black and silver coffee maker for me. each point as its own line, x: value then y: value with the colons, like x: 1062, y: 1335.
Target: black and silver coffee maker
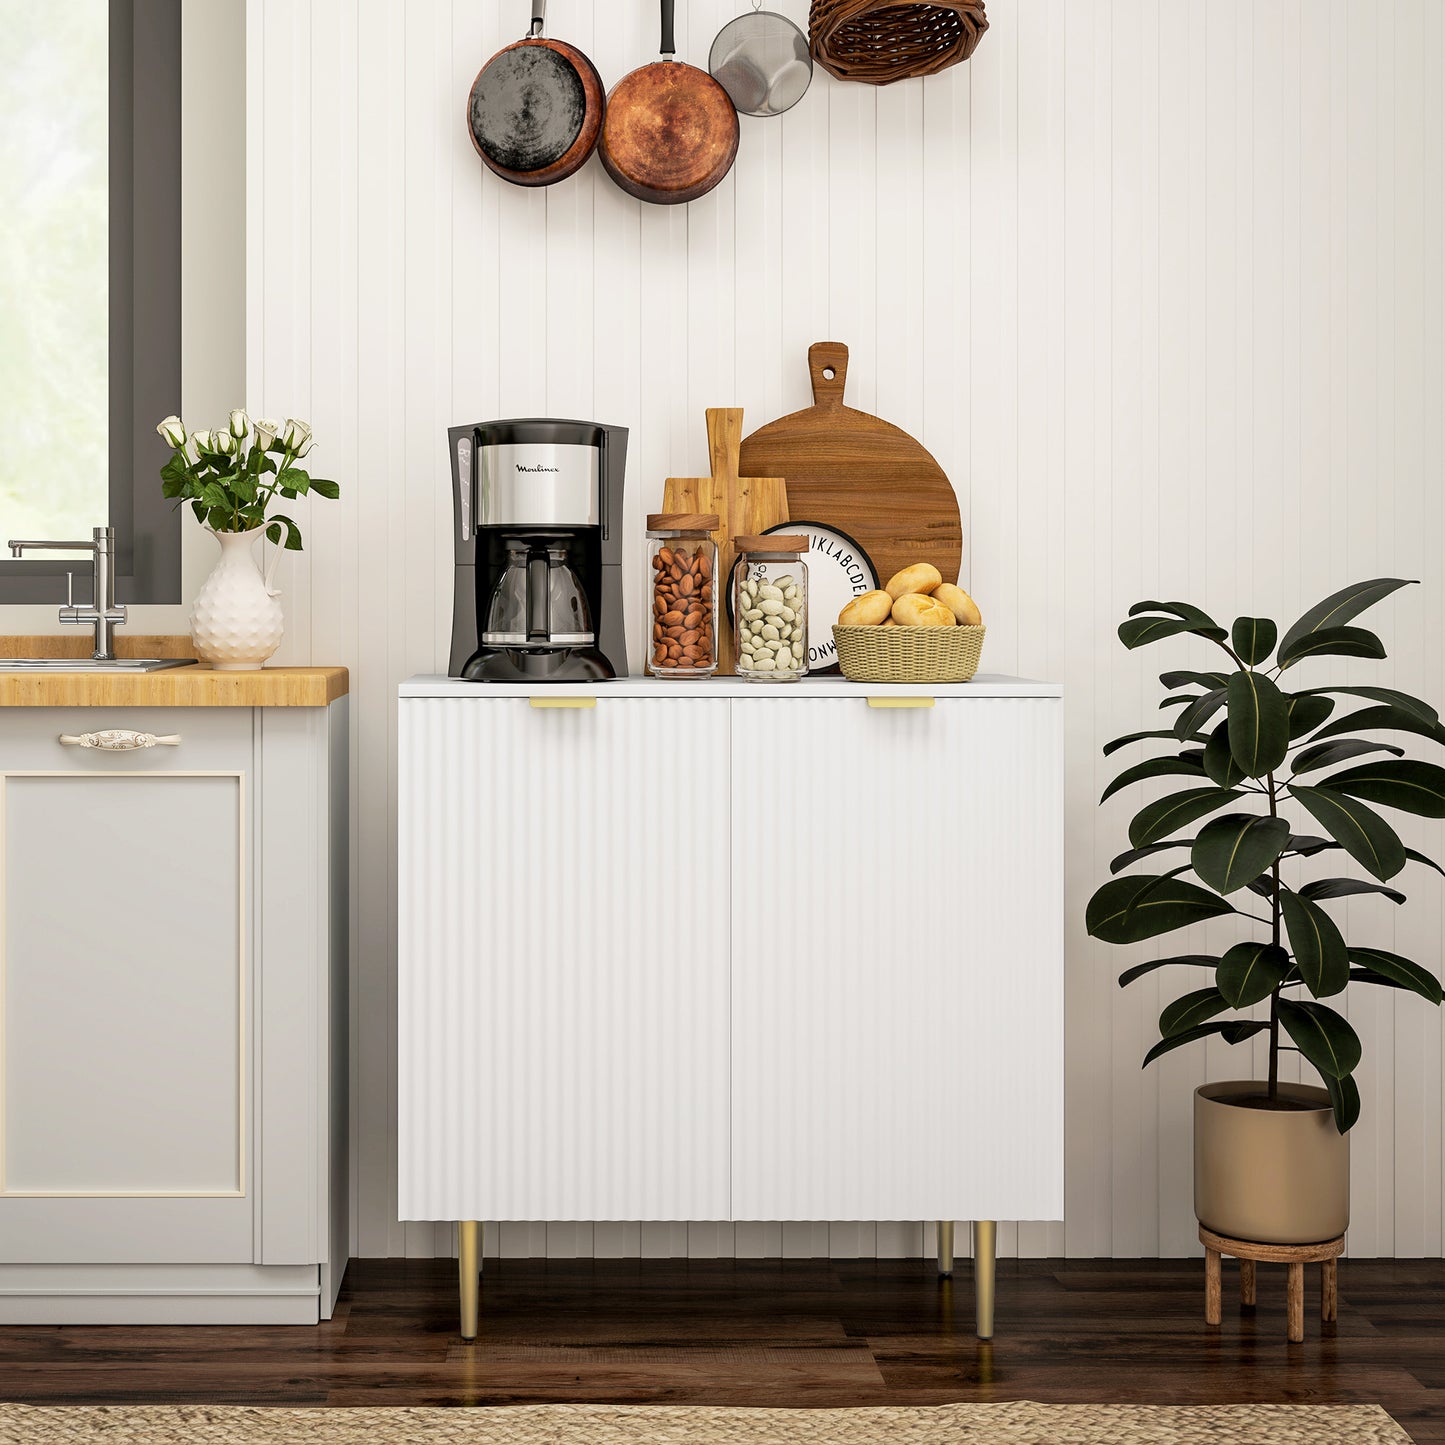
x: 537, y: 513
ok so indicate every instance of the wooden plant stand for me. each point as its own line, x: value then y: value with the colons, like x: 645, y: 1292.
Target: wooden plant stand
x: 1296, y: 1256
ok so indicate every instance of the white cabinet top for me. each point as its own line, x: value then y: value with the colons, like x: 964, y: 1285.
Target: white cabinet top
x: 985, y: 685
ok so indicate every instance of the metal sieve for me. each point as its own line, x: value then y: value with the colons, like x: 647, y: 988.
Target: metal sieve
x: 762, y: 61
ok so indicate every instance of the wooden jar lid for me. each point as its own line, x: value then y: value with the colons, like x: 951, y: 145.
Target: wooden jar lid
x: 683, y: 522
x: 776, y: 542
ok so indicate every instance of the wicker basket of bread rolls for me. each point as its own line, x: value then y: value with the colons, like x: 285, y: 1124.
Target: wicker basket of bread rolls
x: 918, y: 628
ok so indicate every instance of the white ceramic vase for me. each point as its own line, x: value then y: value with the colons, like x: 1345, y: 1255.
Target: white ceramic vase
x: 236, y: 620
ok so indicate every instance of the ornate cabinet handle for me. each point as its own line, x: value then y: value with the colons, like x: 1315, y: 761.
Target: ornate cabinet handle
x: 119, y: 740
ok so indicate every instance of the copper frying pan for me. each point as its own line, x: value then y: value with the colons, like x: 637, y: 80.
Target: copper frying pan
x: 535, y: 110
x: 671, y: 132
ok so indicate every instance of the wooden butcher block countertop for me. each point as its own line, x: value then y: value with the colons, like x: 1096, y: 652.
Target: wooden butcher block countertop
x: 195, y: 686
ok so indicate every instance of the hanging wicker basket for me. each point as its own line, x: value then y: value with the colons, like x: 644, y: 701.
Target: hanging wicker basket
x: 877, y: 42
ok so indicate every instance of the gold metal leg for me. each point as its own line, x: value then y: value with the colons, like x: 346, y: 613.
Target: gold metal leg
x: 945, y: 1247
x: 985, y: 1245
x: 469, y: 1261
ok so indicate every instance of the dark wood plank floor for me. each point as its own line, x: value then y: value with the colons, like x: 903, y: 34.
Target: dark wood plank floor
x: 794, y: 1332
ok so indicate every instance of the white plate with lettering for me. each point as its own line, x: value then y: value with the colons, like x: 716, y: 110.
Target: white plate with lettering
x: 838, y: 570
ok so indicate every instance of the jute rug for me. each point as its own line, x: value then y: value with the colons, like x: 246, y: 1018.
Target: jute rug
x: 1020, y: 1423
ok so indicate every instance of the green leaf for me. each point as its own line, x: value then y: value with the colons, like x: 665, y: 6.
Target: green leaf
x: 1322, y: 1036
x: 1144, y: 905
x: 1389, y: 695
x: 1254, y: 639
x: 1345, y: 1097
x: 1340, y: 606
x: 1200, y: 622
x: 295, y: 480
x: 1332, y: 642
x: 1258, y: 723
x: 1158, y: 819
x: 1207, y: 680
x: 1415, y: 857
x: 1319, y: 950
x: 1401, y: 972
x: 1198, y: 713
x: 1123, y: 742
x: 1191, y: 1011
x: 323, y: 488
x: 292, y: 533
x: 1190, y: 960
x: 1407, y: 785
x: 1306, y: 844
x: 1358, y: 829
x: 1153, y: 768
x: 1307, y: 713
x: 1346, y: 888
x: 214, y: 495
x: 1234, y: 849
x: 176, y: 470
x: 1231, y: 1033
x: 1135, y: 855
x: 1249, y: 972
x: 1140, y: 631
x: 1326, y: 755
x: 1219, y: 762
x: 1393, y: 719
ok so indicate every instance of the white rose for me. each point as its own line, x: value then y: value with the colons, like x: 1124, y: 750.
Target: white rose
x: 306, y: 447
x: 203, y: 441
x: 240, y: 424
x: 266, y: 432
x: 173, y: 431
x: 297, y: 434
x: 223, y: 442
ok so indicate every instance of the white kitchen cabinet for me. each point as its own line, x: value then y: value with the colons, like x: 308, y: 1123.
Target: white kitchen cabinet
x: 172, y: 1015
x: 720, y: 951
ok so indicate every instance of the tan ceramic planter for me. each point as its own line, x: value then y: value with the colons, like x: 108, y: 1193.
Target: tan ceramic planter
x: 1275, y: 1176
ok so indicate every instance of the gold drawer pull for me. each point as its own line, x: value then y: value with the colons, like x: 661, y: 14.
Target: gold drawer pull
x: 563, y: 701
x: 900, y: 702
x: 119, y: 740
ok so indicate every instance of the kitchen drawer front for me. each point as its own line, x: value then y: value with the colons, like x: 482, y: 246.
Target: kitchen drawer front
x: 897, y: 991
x: 209, y: 738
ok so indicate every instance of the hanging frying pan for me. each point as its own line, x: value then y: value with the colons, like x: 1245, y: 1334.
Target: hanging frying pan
x: 535, y: 110
x: 670, y: 133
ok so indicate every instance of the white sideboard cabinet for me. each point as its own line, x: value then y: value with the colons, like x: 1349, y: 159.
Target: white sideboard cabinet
x: 727, y: 951
x: 173, y: 996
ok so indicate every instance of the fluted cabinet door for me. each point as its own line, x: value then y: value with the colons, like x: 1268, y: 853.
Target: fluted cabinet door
x: 563, y: 967
x: 897, y: 962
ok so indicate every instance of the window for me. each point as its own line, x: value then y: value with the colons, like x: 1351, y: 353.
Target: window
x: 89, y: 286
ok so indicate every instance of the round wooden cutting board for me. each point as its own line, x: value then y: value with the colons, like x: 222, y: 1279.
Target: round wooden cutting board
x: 860, y: 474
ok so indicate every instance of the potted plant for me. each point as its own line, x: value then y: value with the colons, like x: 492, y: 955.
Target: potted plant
x: 1277, y: 787
x: 231, y: 477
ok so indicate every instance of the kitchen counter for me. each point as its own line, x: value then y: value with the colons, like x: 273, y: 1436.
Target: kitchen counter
x: 985, y: 685
x: 197, y: 686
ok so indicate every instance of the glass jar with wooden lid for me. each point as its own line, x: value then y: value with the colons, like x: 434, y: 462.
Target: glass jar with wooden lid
x: 770, y: 608
x: 682, y: 561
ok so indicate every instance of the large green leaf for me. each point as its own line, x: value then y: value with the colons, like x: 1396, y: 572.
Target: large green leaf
x: 1144, y: 905
x: 1402, y: 972
x: 1191, y: 1011
x: 1326, y: 755
x: 1339, y: 607
x: 1391, y: 719
x: 1322, y: 1036
x: 1198, y: 713
x: 1232, y: 850
x: 1153, y: 768
x: 1123, y: 742
x: 1136, y: 855
x: 1189, y: 960
x: 1347, y: 888
x: 1251, y: 971
x: 1233, y: 1032
x: 1206, y: 680
x: 1332, y: 642
x: 1140, y: 631
x: 1307, y: 713
x: 1258, y: 723
x: 1388, y: 695
x: 1219, y: 762
x: 1357, y: 828
x: 1254, y: 639
x: 1345, y: 1097
x: 1410, y: 786
x: 1158, y: 819
x: 1197, y: 621
x: 1308, y: 846
x: 1319, y: 949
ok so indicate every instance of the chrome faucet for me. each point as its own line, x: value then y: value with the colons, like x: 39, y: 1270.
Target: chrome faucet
x: 103, y: 612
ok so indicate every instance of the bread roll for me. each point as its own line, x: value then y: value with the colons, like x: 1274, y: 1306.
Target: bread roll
x: 888, y: 622
x: 963, y: 607
x: 867, y: 610
x: 921, y: 577
x: 914, y: 610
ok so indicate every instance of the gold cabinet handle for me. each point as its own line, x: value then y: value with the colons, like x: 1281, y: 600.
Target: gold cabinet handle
x: 877, y: 701
x: 563, y: 701
x: 119, y: 740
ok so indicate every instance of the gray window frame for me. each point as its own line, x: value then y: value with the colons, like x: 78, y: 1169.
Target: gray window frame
x: 145, y: 312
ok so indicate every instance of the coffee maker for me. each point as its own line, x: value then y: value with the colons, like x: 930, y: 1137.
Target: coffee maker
x: 537, y: 513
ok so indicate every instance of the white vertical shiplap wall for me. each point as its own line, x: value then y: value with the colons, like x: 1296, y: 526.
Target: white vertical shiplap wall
x: 1160, y: 286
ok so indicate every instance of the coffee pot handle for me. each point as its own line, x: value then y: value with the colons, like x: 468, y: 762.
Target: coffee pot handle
x: 539, y: 597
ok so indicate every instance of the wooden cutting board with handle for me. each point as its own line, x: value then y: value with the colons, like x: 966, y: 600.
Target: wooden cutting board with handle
x: 745, y: 506
x: 860, y: 474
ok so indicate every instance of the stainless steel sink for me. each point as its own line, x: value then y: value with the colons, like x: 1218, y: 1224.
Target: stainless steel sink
x: 88, y: 664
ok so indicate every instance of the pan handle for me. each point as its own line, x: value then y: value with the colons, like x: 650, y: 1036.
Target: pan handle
x: 539, y: 17
x: 669, y: 40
